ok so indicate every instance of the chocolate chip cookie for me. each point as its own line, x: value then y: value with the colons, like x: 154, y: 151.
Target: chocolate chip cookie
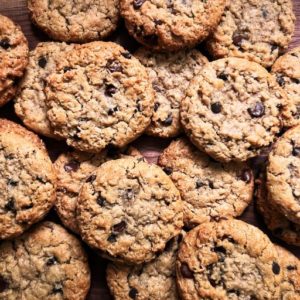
x: 233, y: 109
x: 75, y: 21
x: 45, y: 263
x: 283, y: 174
x: 30, y: 103
x: 100, y: 95
x: 287, y: 73
x: 254, y: 30
x: 73, y: 169
x: 277, y: 223
x: 27, y: 179
x: 13, y: 58
x: 171, y: 25
x: 170, y: 74
x: 228, y: 260
x: 209, y: 190
x: 129, y: 210
x: 154, y: 280
x: 290, y: 285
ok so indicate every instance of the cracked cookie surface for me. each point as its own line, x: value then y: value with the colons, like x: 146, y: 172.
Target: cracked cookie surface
x: 45, y: 263
x: 287, y: 73
x: 283, y: 173
x: 257, y: 30
x: 75, y: 21
x: 233, y: 109
x: 27, y: 181
x: 277, y: 223
x: 228, y: 260
x: 13, y: 57
x: 30, y: 103
x: 170, y: 75
x: 129, y: 211
x: 154, y: 280
x: 209, y: 190
x: 171, y: 25
x: 99, y: 96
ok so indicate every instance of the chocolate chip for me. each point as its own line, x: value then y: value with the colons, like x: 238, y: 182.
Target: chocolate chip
x: 138, y: 3
x: 238, y: 37
x: 228, y: 238
x: 138, y: 107
x: 168, y: 121
x: 42, y: 62
x: 158, y: 22
x: 246, y: 175
x: 264, y: 12
x: 3, y: 284
x: 156, y: 105
x: 199, y: 184
x: 4, y: 43
x: 28, y: 206
x: 211, y: 184
x: 112, y: 238
x: 220, y: 249
x: 51, y: 261
x: 168, y: 170
x: 223, y: 76
x: 72, y: 166
x: 186, y: 271
x: 101, y: 200
x: 275, y: 268
x: 10, y: 205
x: 257, y: 110
x: 120, y: 227
x: 66, y: 69
x: 280, y: 80
x: 274, y: 47
x: 41, y: 179
x: 114, y: 66
x: 91, y: 178
x: 296, y: 150
x: 126, y: 54
x: 12, y: 182
x: 236, y: 292
x: 110, y: 90
x: 57, y: 289
x: 295, y: 80
x: 110, y: 112
x: 216, y: 107
x: 291, y: 268
x: 133, y: 293
x: 128, y: 195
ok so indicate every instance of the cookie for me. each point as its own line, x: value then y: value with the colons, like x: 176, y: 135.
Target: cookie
x: 170, y: 75
x: 171, y: 25
x: 154, y: 280
x: 27, y: 181
x: 233, y: 109
x: 129, y: 209
x: 255, y: 30
x: 277, y: 223
x: 30, y: 103
x: 45, y: 263
x: 99, y: 96
x: 13, y: 58
x: 287, y: 73
x: 228, y: 260
x: 73, y: 169
x: 75, y: 21
x: 290, y: 285
x: 283, y: 174
x: 209, y: 190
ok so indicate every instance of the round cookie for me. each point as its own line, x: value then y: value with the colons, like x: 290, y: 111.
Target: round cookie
x: 228, y: 260
x: 283, y: 174
x: 73, y: 169
x: 290, y: 285
x: 287, y: 73
x: 129, y: 210
x: 13, y: 57
x: 75, y: 21
x: 99, y: 96
x: 171, y: 25
x: 154, y: 280
x: 170, y: 75
x: 255, y: 30
x: 209, y: 190
x: 45, y: 263
x: 27, y: 179
x: 233, y: 109
x: 277, y: 223
x: 30, y: 103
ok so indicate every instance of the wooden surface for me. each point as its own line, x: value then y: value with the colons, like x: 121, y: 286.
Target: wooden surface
x: 150, y: 147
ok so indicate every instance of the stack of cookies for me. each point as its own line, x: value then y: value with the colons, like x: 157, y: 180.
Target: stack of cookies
x: 169, y: 230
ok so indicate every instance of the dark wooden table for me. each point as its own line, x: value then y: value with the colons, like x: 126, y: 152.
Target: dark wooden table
x: 150, y: 147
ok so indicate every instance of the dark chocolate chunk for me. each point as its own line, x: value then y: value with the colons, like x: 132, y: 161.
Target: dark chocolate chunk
x: 72, y: 166
x: 57, y: 289
x: 138, y: 3
x: 114, y: 66
x: 223, y: 76
x: 168, y: 170
x: 126, y: 54
x: 291, y: 268
x: 199, y: 184
x: 280, y: 80
x: 112, y: 238
x: 51, y: 261
x: 110, y: 90
x: 133, y: 293
x: 168, y: 121
x: 216, y: 107
x: 42, y: 62
x: 120, y: 227
x: 10, y: 205
x: 275, y: 268
x: 220, y: 249
x: 246, y: 175
x: 101, y: 200
x: 12, y: 182
x: 4, y: 43
x: 156, y: 105
x: 91, y: 178
x: 186, y: 271
x: 257, y: 111
x: 238, y: 37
